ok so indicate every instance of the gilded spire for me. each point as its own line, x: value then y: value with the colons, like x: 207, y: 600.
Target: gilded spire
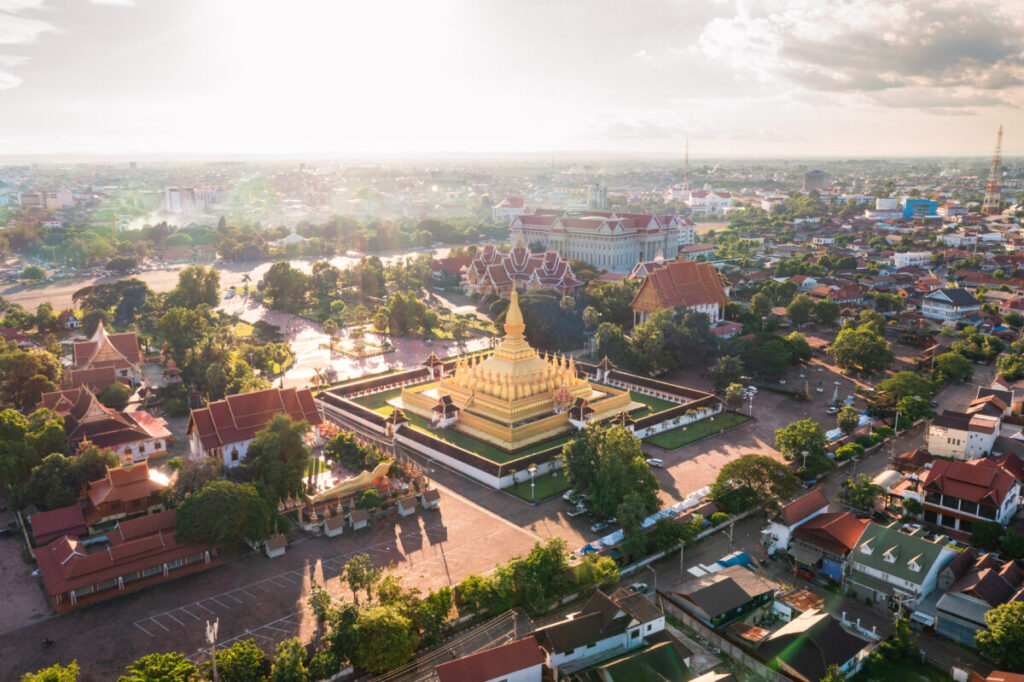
x: 514, y: 317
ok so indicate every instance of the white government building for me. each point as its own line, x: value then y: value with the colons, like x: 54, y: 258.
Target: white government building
x: 614, y: 241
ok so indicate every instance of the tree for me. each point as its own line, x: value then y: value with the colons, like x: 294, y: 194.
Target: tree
x: 331, y: 329
x: 630, y: 514
x: 848, y: 419
x: 115, y: 396
x: 1013, y: 319
x: 799, y: 309
x: 435, y: 614
x: 33, y: 272
x: 912, y: 508
x: 346, y: 450
x: 861, y: 350
x: 799, y: 437
x: 952, y: 367
x: 861, y: 492
x: 278, y: 458
x: 649, y: 352
x: 1013, y: 543
x: 289, y: 662
x: 340, y: 619
x: 591, y: 317
x: 224, y: 513
x: 361, y: 575
x: 734, y: 396
x: 760, y: 305
x: 382, y: 639
x: 285, y: 287
x: 611, y: 342
x: 596, y: 570
x: 607, y: 464
x: 55, y: 673
x: 1002, y: 640
x: 122, y: 264
x: 24, y: 442
x: 170, y: 667
x: 182, y: 328
x: 728, y: 371
x: 27, y: 375
x: 196, y: 286
x: 985, y: 534
x: 370, y: 499
x: 193, y: 475
x: 833, y: 674
x: 243, y: 661
x: 766, y: 477
x: 825, y: 312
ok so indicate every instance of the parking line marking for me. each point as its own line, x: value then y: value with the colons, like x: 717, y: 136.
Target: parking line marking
x: 168, y: 614
x: 247, y: 592
x: 232, y: 597
x: 214, y: 599
x: 204, y: 608
x: 189, y: 612
x: 143, y: 629
x: 166, y: 629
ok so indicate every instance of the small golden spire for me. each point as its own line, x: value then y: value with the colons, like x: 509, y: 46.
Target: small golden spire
x: 514, y: 317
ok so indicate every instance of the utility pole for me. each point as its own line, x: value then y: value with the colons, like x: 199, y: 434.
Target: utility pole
x: 211, y: 639
x: 681, y: 548
x: 732, y: 526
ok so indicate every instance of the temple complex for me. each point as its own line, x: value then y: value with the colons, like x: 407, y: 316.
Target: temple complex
x: 514, y: 397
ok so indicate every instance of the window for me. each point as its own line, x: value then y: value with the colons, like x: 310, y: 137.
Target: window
x: 194, y: 558
x: 131, y: 577
x: 152, y: 570
x: 234, y: 454
x: 634, y: 634
x: 171, y: 565
x: 82, y: 591
x: 106, y: 585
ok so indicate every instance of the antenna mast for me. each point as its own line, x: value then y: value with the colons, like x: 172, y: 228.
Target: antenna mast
x: 991, y: 205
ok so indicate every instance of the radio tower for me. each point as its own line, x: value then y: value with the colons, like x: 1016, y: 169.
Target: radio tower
x: 991, y: 204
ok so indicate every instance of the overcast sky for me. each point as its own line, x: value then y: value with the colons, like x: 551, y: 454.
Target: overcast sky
x: 738, y: 77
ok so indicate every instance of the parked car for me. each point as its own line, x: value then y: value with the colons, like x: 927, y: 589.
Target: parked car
x: 638, y: 587
x: 752, y: 389
x: 568, y: 495
x: 602, y: 526
x: 832, y: 410
x: 580, y: 510
x: 804, y: 573
x: 654, y: 462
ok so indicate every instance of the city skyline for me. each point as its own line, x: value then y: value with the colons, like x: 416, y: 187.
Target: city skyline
x: 741, y: 79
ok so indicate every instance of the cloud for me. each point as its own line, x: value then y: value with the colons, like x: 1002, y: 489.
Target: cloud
x: 18, y: 5
x: 644, y: 55
x: 116, y: 3
x: 15, y: 30
x: 922, y: 49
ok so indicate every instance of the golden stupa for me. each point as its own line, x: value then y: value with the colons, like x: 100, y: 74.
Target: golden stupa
x: 514, y: 397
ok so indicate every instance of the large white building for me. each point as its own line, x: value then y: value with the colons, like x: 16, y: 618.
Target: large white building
x: 915, y: 258
x: 709, y: 201
x: 612, y: 241
x: 962, y: 436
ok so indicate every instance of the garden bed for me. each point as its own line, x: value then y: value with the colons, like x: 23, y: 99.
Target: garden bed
x: 684, y: 435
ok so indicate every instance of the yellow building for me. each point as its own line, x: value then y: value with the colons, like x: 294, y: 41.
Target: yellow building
x: 514, y: 397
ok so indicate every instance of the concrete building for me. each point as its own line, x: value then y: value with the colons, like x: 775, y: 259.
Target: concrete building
x: 610, y: 241
x: 889, y: 564
x: 918, y: 259
x: 986, y: 584
x: 962, y: 436
x: 520, y: 661
x: 919, y: 208
x: 816, y: 180
x: 709, y: 201
x: 508, y: 208
x: 777, y: 534
x: 959, y: 494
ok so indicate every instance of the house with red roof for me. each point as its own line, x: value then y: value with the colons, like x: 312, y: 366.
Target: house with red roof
x: 959, y: 494
x: 681, y: 284
x: 136, y: 434
x: 120, y: 351
x: 779, y: 532
x: 709, y: 201
x: 137, y: 553
x: 521, y: 660
x: 225, y: 428
x: 124, y: 492
x: 508, y: 208
x: 985, y: 584
x: 824, y: 542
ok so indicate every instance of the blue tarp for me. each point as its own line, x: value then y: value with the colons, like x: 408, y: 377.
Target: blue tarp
x: 735, y: 559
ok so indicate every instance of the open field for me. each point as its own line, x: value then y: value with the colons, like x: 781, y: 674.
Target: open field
x: 545, y: 486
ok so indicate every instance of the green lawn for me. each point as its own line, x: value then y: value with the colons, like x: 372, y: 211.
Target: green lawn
x: 547, y: 486
x: 242, y: 330
x: 678, y: 437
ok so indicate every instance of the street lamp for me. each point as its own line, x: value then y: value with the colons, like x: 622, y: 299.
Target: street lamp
x: 533, y: 472
x: 805, y: 453
x: 751, y: 415
x: 211, y: 639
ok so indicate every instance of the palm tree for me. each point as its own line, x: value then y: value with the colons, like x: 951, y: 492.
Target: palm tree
x: 246, y: 278
x: 331, y: 329
x: 319, y: 377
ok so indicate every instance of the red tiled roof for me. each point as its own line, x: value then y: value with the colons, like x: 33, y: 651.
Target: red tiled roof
x: 685, y: 283
x: 494, y: 663
x: 835, y: 532
x: 125, y: 485
x: 48, y: 525
x: 982, y: 480
x: 802, y: 507
x: 240, y: 417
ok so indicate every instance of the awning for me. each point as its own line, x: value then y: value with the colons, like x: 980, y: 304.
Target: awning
x: 805, y: 555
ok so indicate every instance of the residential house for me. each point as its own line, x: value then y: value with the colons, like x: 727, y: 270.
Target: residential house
x: 682, y: 284
x: 125, y: 492
x: 986, y: 584
x: 959, y: 494
x: 961, y: 435
x: 902, y: 567
x: 136, y: 553
x: 225, y: 428
x: 732, y: 594
x: 825, y: 541
x: 120, y: 351
x: 55, y: 523
x: 810, y: 644
x: 919, y: 259
x: 508, y: 208
x: 949, y: 305
x: 522, y: 660
x: 777, y: 535
x: 698, y: 252
x: 607, y: 625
